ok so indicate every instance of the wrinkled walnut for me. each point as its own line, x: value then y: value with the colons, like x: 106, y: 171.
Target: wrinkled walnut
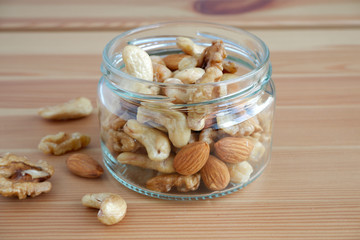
x: 214, y: 55
x: 22, y: 178
x: 245, y: 128
x: 230, y: 67
x: 164, y: 183
x: 119, y: 141
x: 112, y: 206
x: 143, y: 161
x: 75, y: 108
x: 114, y: 122
x: 156, y: 142
x: 62, y: 142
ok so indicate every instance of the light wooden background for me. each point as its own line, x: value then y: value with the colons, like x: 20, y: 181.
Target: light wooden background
x: 50, y: 52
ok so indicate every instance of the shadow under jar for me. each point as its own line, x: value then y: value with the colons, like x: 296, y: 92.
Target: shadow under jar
x: 227, y: 119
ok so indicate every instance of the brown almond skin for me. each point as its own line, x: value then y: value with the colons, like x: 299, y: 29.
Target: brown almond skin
x: 233, y: 149
x: 84, y: 166
x: 172, y: 61
x: 191, y: 158
x: 215, y: 174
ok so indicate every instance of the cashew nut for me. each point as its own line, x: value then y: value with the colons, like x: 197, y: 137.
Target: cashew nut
x: 187, y: 62
x: 189, y: 47
x: 112, y: 206
x: 156, y: 142
x: 240, y: 172
x: 189, y: 75
x: 143, y: 161
x: 174, y: 121
x: 138, y: 64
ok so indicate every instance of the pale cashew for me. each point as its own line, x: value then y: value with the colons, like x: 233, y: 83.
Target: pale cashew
x: 138, y: 64
x: 240, y: 172
x: 156, y: 142
x: 173, y: 120
x: 112, y: 206
x: 189, y: 75
x: 189, y: 47
x: 143, y: 161
x: 179, y: 95
x: 187, y: 62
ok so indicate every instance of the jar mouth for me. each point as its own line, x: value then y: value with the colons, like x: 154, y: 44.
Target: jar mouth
x: 156, y: 36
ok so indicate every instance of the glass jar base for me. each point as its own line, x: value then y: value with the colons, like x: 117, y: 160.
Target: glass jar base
x: 120, y: 171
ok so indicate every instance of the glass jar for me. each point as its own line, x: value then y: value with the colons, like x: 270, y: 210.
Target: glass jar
x: 218, y: 129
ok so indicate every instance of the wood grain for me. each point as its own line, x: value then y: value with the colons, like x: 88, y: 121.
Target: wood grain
x: 50, y: 52
x: 112, y: 15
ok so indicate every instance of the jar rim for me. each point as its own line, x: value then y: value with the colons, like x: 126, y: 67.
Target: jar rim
x: 261, y: 66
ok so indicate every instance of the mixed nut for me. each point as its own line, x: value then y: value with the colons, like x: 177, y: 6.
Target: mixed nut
x: 22, y: 178
x: 185, y: 146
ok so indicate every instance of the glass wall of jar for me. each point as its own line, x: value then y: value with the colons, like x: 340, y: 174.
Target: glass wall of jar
x: 201, y: 125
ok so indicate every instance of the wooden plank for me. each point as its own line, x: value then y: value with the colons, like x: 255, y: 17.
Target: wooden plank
x: 109, y: 14
x: 65, y: 55
x: 302, y: 194
x: 331, y: 41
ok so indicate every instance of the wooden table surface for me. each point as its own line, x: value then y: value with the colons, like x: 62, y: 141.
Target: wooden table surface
x: 50, y: 52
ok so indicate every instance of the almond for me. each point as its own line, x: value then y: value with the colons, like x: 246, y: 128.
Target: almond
x: 84, y: 166
x: 215, y: 174
x: 191, y: 158
x: 233, y: 149
x: 172, y: 60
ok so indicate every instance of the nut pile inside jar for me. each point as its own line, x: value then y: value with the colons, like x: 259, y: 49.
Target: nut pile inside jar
x: 185, y: 149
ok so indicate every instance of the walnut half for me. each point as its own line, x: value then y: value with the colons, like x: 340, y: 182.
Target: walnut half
x: 62, y: 143
x: 165, y: 182
x: 22, y: 178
